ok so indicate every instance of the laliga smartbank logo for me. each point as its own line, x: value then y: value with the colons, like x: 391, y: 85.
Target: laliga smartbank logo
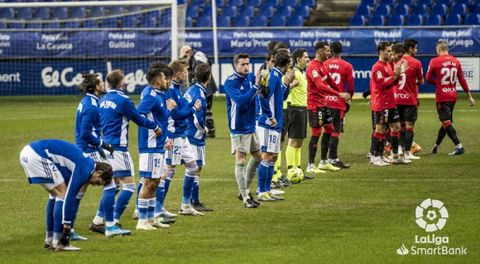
x: 431, y: 216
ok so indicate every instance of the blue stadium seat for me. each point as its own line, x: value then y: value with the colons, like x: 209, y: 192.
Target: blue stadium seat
x: 220, y: 3
x: 78, y: 12
x: 445, y: 2
x: 204, y: 21
x: 90, y: 23
x: 424, y: 2
x: 439, y: 9
x: 3, y: 25
x: 110, y: 22
x: 363, y: 10
x: 358, y: 21
x: 254, y: 3
x: 472, y: 19
x: 42, y: 13
x: 416, y: 20
x: 97, y: 12
x: 60, y: 13
x: 155, y: 14
x: 192, y: 11
x: 459, y: 9
x: 405, y: 2
x: 34, y: 25
x: 267, y: 11
x: 387, y: 2
x: 368, y: 2
x: 71, y: 24
x: 7, y: 13
x: 230, y: 11
x: 207, y: 10
x: 377, y: 20
x: 241, y: 21
x: 434, y: 20
x: 51, y: 25
x: 188, y: 22
x: 235, y: 2
x: 296, y: 21
x: 475, y: 8
x: 224, y: 21
x: 383, y: 10
x: 271, y: 2
x: 116, y: 10
x: 278, y: 21
x: 247, y: 11
x: 310, y: 3
x: 420, y: 9
x: 302, y: 11
x: 134, y: 8
x: 18, y: 25
x: 285, y: 11
x: 149, y: 22
x: 397, y: 20
x: 289, y: 2
x: 453, y: 19
x: 259, y: 21
x: 465, y: 2
x: 401, y: 10
x: 24, y: 13
x: 128, y: 21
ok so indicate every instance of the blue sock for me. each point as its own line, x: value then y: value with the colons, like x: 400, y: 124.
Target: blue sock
x: 151, y: 208
x: 271, y: 169
x: 57, y: 216
x: 196, y: 190
x: 49, y: 223
x: 139, y: 187
x: 142, y: 208
x: 167, y: 185
x: 101, y: 210
x: 123, y: 199
x: 160, y: 197
x: 108, y: 203
x: 188, y: 182
x: 75, y: 207
x: 262, y: 172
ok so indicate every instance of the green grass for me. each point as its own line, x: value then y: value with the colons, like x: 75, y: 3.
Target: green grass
x: 360, y: 215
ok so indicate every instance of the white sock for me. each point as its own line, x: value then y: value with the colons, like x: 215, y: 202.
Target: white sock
x: 109, y: 224
x: 98, y: 220
x: 459, y: 146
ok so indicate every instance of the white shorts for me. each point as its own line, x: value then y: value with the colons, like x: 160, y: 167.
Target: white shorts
x: 198, y: 154
x: 152, y: 165
x: 96, y: 156
x: 122, y: 164
x: 40, y: 170
x: 269, y: 139
x: 179, y: 153
x: 247, y: 143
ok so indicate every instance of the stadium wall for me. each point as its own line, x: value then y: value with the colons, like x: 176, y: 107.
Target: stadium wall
x: 51, y: 62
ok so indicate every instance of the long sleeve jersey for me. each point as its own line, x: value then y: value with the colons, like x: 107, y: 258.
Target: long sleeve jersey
x: 177, y: 121
x: 382, y: 85
x: 342, y: 74
x: 319, y: 85
x: 196, y: 122
x: 241, y: 104
x: 87, y: 124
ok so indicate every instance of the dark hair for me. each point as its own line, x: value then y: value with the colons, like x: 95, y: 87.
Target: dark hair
x: 156, y: 69
x: 409, y: 44
x: 282, y: 59
x: 320, y: 45
x: 89, y: 83
x: 281, y: 46
x: 202, y: 72
x: 271, y: 45
x: 106, y: 169
x: 115, y: 78
x: 239, y: 56
x: 383, y: 45
x: 336, y: 47
x: 398, y: 48
x: 177, y: 66
x: 298, y: 53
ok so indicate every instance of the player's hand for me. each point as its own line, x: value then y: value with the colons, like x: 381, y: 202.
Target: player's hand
x: 403, y: 66
x: 158, y: 132
x: 345, y: 96
x: 366, y: 94
x: 289, y: 76
x: 168, y: 144
x: 108, y: 147
x: 294, y: 83
x: 273, y: 121
x: 472, y: 100
x: 65, y: 237
x: 171, y: 104
x: 197, y: 105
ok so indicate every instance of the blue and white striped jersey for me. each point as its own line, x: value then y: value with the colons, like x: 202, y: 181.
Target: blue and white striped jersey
x: 88, y: 125
x: 75, y: 168
x: 177, y: 122
x: 153, y: 106
x: 196, y: 122
x: 116, y: 110
x: 272, y: 104
x: 241, y: 103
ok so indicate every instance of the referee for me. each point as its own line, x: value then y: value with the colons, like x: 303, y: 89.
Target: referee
x: 296, y: 121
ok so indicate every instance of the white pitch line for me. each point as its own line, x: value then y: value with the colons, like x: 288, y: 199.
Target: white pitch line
x: 332, y: 179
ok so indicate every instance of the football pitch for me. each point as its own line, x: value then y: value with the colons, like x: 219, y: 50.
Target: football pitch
x: 360, y: 215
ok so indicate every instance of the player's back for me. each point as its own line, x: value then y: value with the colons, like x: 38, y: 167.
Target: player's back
x: 114, y: 122
x: 196, y: 122
x: 87, y: 111
x: 339, y: 70
x: 445, y: 69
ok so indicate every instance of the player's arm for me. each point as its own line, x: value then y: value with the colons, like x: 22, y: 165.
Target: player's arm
x: 86, y: 127
x: 430, y: 77
x: 198, y: 119
x: 384, y: 82
x: 133, y: 114
x: 183, y: 109
x: 350, y: 81
x: 235, y: 94
x: 464, y: 84
x: 74, y: 186
x: 419, y: 74
x: 265, y: 98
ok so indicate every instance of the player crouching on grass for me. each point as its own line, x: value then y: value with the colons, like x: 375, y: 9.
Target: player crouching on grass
x: 270, y: 122
x: 241, y: 95
x: 444, y: 71
x: 62, y: 169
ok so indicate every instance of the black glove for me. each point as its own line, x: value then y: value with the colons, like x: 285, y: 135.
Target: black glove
x: 65, y: 238
x: 102, y: 153
x: 366, y: 94
x: 108, y: 147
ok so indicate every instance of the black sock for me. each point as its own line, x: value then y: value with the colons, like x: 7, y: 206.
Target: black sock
x: 452, y: 134
x: 333, y: 148
x: 408, y: 140
x: 440, y: 136
x: 380, y: 147
x: 325, y: 144
x: 402, y: 138
x: 373, y: 145
x: 394, y: 141
x: 312, y: 149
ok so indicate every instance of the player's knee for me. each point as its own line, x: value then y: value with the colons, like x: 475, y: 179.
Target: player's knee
x: 329, y: 129
x: 446, y: 123
x: 169, y: 172
x: 191, y: 169
x: 240, y: 161
x: 316, y: 131
x: 130, y: 187
x: 335, y: 134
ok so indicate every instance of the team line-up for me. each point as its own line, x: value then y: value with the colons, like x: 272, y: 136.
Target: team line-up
x: 263, y: 108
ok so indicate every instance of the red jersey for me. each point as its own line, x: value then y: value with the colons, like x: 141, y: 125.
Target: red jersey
x: 382, y: 85
x: 342, y: 74
x: 444, y: 71
x: 318, y: 81
x: 406, y: 92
